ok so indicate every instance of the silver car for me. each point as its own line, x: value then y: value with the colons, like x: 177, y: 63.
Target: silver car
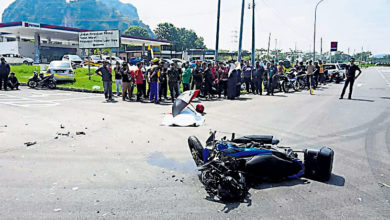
x: 62, y: 70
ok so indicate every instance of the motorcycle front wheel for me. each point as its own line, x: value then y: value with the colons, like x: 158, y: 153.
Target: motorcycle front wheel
x: 52, y: 85
x: 296, y: 86
x: 301, y: 83
x: 32, y: 84
x: 196, y: 149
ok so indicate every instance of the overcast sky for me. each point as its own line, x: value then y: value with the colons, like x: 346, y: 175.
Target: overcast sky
x: 354, y: 23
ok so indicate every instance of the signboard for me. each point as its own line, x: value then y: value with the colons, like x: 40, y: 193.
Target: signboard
x: 99, y: 39
x: 31, y: 25
x: 333, y: 46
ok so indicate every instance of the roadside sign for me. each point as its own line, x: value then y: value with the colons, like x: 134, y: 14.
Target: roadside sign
x: 99, y: 39
x: 333, y: 46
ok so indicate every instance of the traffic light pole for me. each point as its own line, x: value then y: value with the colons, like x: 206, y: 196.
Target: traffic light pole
x: 217, y: 41
x: 241, y: 30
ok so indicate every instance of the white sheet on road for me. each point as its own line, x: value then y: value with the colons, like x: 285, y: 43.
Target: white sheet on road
x: 185, y: 119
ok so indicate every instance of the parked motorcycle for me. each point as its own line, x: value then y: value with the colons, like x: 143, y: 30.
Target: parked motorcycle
x: 289, y: 81
x: 227, y: 165
x: 39, y: 80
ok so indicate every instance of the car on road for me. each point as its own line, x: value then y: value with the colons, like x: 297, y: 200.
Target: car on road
x: 112, y: 60
x: 62, y: 70
x: 75, y: 60
x: 333, y: 73
x: 342, y: 69
x: 94, y: 60
x: 17, y: 59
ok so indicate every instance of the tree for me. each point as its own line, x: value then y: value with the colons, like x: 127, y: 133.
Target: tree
x: 137, y: 31
x: 181, y: 37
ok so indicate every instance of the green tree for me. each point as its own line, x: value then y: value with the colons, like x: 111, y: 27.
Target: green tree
x: 181, y: 37
x: 137, y: 31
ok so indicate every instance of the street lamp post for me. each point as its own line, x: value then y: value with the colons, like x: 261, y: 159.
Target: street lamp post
x: 315, y: 28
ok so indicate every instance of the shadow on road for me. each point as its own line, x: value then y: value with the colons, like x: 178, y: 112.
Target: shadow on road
x: 336, y: 180
x: 363, y: 100
x: 229, y: 206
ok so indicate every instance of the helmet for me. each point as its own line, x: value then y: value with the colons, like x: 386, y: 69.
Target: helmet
x: 200, y: 108
x: 155, y: 60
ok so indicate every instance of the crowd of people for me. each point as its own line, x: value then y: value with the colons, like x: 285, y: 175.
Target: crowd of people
x: 214, y: 80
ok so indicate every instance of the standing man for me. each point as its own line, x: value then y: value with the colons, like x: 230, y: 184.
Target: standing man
x: 258, y: 79
x: 139, y: 78
x: 106, y: 75
x: 154, y: 81
x: 322, y: 73
x: 310, y: 71
x: 173, y: 78
x: 4, y: 72
x: 223, y: 79
x: 272, y: 71
x: 350, y: 78
x: 248, y: 77
x: 186, y: 77
x: 163, y: 83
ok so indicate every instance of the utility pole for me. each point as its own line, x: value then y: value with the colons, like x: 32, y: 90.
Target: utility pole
x: 269, y: 45
x: 276, y: 52
x: 217, y: 41
x: 241, y: 30
x: 253, y: 33
x: 321, y: 50
x: 315, y: 29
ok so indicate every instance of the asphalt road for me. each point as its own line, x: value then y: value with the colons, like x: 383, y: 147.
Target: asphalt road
x: 127, y: 166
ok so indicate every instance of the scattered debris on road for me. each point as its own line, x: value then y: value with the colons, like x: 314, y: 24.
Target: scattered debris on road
x: 28, y: 144
x: 57, y: 210
x: 63, y: 134
x: 75, y: 188
x: 62, y: 126
x: 384, y: 185
x: 80, y: 133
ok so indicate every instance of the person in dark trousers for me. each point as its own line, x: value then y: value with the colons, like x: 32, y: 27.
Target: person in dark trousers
x: 208, y: 82
x: 316, y: 75
x: 106, y: 75
x: 173, y: 77
x: 223, y: 79
x: 4, y: 73
x: 350, y: 78
x: 197, y: 77
x: 13, y: 82
x: 154, y: 79
x: 139, y: 78
x: 272, y: 71
x: 232, y: 81
x: 186, y: 78
x: 258, y: 79
x: 248, y: 71
x: 125, y: 73
x: 163, y: 83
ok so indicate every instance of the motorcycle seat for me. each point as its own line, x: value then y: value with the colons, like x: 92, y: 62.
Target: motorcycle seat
x: 263, y: 139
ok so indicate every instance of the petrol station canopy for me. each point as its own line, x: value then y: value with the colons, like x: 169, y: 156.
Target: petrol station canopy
x: 29, y: 30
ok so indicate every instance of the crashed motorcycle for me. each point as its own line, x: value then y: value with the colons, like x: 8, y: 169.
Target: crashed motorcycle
x: 289, y: 81
x: 228, y: 167
x: 39, y: 80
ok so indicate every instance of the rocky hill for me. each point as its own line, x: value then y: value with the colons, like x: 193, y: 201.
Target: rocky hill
x: 86, y: 14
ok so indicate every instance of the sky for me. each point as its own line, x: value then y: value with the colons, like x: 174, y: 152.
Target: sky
x: 355, y: 24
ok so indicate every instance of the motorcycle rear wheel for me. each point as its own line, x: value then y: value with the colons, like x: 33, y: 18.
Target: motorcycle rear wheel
x: 286, y: 88
x: 196, y: 149
x: 296, y: 86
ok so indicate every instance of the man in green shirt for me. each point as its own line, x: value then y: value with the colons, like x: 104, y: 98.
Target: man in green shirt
x: 186, y: 78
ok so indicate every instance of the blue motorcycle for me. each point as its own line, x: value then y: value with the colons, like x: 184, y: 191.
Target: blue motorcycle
x: 227, y: 165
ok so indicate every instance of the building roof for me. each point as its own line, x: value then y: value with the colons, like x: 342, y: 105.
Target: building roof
x: 61, y: 33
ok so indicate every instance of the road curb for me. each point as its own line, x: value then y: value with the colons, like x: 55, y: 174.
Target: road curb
x: 73, y: 89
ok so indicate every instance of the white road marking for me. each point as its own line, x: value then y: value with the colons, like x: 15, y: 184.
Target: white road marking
x: 383, y: 76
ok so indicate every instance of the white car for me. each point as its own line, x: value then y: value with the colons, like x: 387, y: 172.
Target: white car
x: 75, y: 60
x: 112, y: 60
x: 62, y: 70
x: 17, y: 59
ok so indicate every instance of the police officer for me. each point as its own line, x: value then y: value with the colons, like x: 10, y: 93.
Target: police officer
x: 4, y: 72
x: 173, y: 78
x: 154, y: 76
x: 350, y: 77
